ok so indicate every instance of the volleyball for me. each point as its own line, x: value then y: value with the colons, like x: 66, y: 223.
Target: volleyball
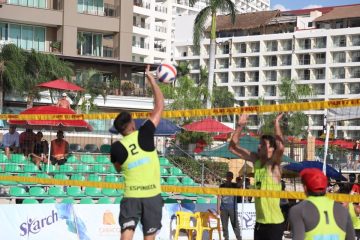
x: 166, y: 73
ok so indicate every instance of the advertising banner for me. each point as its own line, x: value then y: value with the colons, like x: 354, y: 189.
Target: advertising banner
x: 97, y: 221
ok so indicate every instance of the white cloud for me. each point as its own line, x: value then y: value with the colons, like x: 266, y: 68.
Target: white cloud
x: 312, y: 6
x: 280, y: 7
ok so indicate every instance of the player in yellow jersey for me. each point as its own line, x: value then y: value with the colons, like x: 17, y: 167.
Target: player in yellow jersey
x: 269, y: 218
x: 135, y: 155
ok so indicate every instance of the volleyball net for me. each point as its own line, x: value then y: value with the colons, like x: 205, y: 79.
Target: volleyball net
x: 193, y: 149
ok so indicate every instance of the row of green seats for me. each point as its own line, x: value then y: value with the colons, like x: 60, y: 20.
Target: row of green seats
x: 171, y: 171
x: 186, y: 181
x: 85, y: 200
x: 89, y: 159
x: 184, y: 200
x: 58, y: 191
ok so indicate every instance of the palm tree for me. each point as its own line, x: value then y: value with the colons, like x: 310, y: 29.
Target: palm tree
x: 224, y: 6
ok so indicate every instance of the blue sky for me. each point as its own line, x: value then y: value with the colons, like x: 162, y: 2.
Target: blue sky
x: 297, y: 4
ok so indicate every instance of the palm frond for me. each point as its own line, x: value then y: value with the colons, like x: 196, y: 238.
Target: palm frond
x: 199, y: 25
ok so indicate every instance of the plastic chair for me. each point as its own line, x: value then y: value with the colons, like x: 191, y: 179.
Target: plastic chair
x: 163, y: 181
x: 13, y: 167
x: 117, y: 200
x: 183, y: 222
x: 37, y: 192
x: 102, y: 159
x: 164, y: 171
x: 110, y: 192
x: 173, y: 181
x: 68, y: 200
x: 86, y: 201
x: 94, y: 178
x: 83, y: 168
x: 18, y: 158
x: 91, y: 148
x: 30, y: 201
x: 176, y: 171
x: 87, y: 159
x: 72, y: 159
x: 201, y: 200
x: 99, y: 168
x: 111, y: 178
x: 61, y: 176
x: 66, y: 169
x: 164, y: 161
x: 203, y: 224
x: 105, y: 148
x: 3, y: 158
x: 187, y: 181
x: 93, y: 192
x: 78, y: 177
x: 56, y: 191
x: 75, y: 191
x: 49, y: 200
x: 75, y: 147
x: 31, y: 168
x: 104, y: 200
x: 43, y: 175
x: 18, y: 192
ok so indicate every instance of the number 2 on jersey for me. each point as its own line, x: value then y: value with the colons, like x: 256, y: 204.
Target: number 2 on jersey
x: 133, y: 149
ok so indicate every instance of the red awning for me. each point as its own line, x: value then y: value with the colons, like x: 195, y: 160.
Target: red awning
x: 61, y: 84
x: 65, y: 125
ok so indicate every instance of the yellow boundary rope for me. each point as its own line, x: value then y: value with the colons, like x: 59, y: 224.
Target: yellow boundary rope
x: 179, y: 189
x: 303, y: 106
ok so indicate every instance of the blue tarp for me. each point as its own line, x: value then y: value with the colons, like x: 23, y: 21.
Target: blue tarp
x: 165, y: 127
x: 330, y: 171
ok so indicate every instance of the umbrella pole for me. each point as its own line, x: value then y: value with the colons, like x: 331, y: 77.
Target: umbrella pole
x: 326, y: 147
x: 48, y: 162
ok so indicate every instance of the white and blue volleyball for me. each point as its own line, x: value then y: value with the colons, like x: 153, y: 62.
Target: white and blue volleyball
x: 166, y: 73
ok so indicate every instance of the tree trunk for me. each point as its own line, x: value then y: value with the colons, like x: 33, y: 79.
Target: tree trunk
x: 1, y: 94
x: 211, y: 61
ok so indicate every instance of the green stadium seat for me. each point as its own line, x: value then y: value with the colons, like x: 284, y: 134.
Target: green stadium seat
x: 170, y: 200
x: 164, y: 161
x: 104, y: 200
x: 25, y: 175
x: 18, y: 192
x: 103, y: 159
x: 31, y: 168
x: 110, y: 192
x: 173, y: 181
x: 164, y: 171
x: 61, y: 176
x: 18, y: 158
x: 83, y: 168
x: 174, y: 171
x: 86, y: 200
x: 37, y: 192
x: 213, y: 200
x: 71, y: 159
x: 187, y: 181
x: 49, y: 200
x: 75, y: 191
x: 52, y: 168
x: 98, y: 168
x: 56, y: 191
x: 163, y: 181
x: 94, y: 178
x: 189, y: 195
x: 91, y: 148
x: 2, y: 168
x: 112, y: 169
x: 78, y: 177
x: 66, y: 169
x: 87, y: 159
x: 3, y: 158
x: 202, y: 200
x: 121, y: 179
x: 117, y: 200
x: 93, y: 192
x: 105, y: 148
x: 30, y: 201
x: 13, y: 167
x: 111, y: 178
x: 68, y: 200
x: 43, y: 175
x: 164, y: 195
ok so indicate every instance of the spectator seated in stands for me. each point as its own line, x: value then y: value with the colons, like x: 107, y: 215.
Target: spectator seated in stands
x: 63, y: 102
x: 27, y: 140
x: 40, y: 150
x: 59, y: 149
x: 11, y: 141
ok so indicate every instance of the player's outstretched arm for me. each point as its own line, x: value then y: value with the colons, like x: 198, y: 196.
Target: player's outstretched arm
x: 279, y: 139
x: 158, y: 98
x: 233, y: 145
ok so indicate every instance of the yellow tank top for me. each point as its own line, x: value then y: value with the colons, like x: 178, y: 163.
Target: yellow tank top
x: 267, y: 209
x: 141, y: 169
x: 355, y: 219
x: 327, y: 227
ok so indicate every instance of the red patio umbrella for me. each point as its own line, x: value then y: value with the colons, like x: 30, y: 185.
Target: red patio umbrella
x: 65, y: 125
x: 342, y: 143
x: 208, y: 125
x: 317, y: 142
x: 225, y: 136
x: 61, y: 84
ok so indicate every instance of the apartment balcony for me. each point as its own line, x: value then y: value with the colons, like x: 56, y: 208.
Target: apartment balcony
x: 356, y: 58
x: 160, y: 8
x: 223, y: 66
x: 253, y: 79
x: 140, y: 44
x: 271, y: 63
x: 270, y: 93
x: 160, y: 29
x: 253, y: 64
x: 338, y: 76
x: 304, y: 62
x: 159, y: 48
x: 142, y: 25
x: 107, y: 10
x: 239, y: 79
x: 320, y: 76
x: 272, y: 48
x: 304, y: 77
x: 45, y: 4
x: 320, y: 61
x: 305, y: 46
x: 286, y: 63
x: 355, y: 41
x: 354, y: 90
x: 239, y: 94
x: 143, y: 4
x: 240, y: 65
x: 339, y: 60
x: 223, y: 79
x: 271, y: 79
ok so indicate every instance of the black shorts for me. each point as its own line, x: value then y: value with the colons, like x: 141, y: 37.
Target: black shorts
x: 268, y: 231
x: 54, y: 161
x: 147, y: 210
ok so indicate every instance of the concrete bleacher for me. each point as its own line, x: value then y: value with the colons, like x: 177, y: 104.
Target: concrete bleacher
x: 84, y: 167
